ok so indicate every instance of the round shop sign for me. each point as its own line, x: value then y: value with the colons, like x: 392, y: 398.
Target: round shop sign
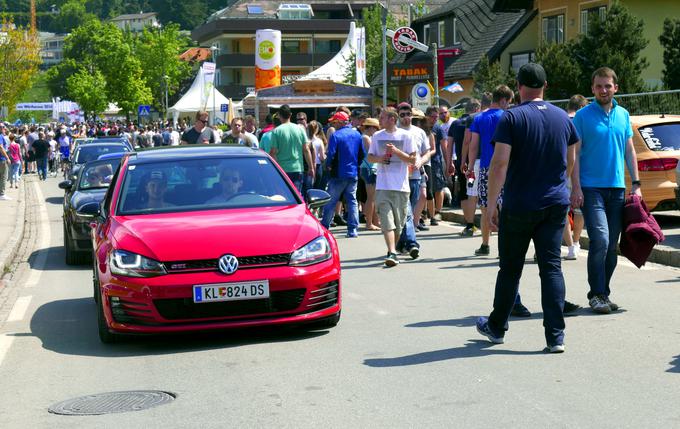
x: 266, y: 50
x: 400, y: 46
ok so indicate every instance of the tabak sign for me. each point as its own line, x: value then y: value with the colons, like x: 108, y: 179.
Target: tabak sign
x: 409, y: 73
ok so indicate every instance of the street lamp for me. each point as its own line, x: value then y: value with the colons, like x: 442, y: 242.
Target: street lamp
x: 214, y: 48
x: 164, y: 84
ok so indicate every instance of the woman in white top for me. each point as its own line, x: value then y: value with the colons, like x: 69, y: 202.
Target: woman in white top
x: 318, y: 139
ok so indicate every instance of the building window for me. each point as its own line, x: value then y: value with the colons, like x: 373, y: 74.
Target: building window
x: 426, y: 34
x: 441, y: 35
x: 290, y: 46
x: 553, y: 29
x: 588, y: 14
x: 456, y: 36
x: 326, y: 46
x: 517, y: 60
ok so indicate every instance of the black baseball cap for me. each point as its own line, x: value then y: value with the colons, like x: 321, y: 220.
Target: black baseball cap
x: 531, y: 75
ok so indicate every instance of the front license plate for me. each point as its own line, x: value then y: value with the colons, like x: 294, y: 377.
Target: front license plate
x: 257, y: 289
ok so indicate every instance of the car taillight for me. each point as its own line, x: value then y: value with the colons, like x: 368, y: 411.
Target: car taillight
x: 658, y: 164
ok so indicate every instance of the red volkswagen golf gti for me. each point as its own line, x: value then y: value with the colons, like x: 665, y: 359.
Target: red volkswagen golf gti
x: 209, y: 237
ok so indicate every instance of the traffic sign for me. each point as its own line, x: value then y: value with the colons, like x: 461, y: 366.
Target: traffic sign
x: 405, y: 39
x: 224, y: 107
x: 144, y: 110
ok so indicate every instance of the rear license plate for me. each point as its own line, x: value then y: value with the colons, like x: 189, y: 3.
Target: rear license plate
x: 257, y: 289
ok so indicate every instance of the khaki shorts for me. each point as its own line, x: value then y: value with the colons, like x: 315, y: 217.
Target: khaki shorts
x: 392, y: 208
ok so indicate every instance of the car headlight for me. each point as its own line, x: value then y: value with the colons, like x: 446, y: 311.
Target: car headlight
x: 317, y: 250
x: 130, y: 264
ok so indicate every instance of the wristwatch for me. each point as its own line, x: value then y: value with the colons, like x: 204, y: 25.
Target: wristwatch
x: 635, y: 182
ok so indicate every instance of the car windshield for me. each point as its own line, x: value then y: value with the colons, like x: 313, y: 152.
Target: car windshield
x: 98, y: 175
x: 91, y: 152
x: 205, y: 184
x: 662, y: 137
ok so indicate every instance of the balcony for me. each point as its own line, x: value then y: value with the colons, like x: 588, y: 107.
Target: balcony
x: 287, y: 60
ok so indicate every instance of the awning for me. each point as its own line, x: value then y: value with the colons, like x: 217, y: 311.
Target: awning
x: 317, y: 105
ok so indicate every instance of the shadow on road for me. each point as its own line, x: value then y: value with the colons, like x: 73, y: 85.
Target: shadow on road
x: 55, y: 261
x: 55, y: 200
x: 472, y: 349
x: 675, y: 365
x: 470, y: 321
x: 70, y: 327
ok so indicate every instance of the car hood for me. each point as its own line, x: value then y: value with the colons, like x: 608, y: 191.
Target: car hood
x: 211, y: 234
x: 83, y: 197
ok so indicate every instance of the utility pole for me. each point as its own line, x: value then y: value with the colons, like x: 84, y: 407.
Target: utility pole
x: 384, y: 53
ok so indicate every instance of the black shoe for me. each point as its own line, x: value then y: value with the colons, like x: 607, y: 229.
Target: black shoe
x: 483, y: 250
x: 570, y: 307
x: 391, y: 260
x: 362, y: 218
x: 434, y: 222
x: 519, y: 310
x: 414, y: 252
x: 422, y: 227
x: 339, y: 220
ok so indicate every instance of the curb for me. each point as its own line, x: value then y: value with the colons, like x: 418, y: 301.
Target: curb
x: 661, y: 254
x: 10, y: 251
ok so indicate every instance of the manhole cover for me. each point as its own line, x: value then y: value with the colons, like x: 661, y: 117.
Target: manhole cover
x: 112, y: 402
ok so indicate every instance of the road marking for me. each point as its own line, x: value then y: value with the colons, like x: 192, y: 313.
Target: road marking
x: 43, y: 244
x: 19, y: 310
x: 5, y: 344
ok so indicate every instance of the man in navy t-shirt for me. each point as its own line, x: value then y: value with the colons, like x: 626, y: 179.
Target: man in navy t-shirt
x: 534, y: 151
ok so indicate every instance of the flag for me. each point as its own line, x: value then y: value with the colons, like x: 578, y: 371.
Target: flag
x: 431, y: 87
x: 454, y: 87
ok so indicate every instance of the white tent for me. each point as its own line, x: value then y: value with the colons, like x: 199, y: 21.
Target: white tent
x: 192, y: 101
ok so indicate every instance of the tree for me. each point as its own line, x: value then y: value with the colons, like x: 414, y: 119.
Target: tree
x: 89, y: 91
x: 57, y: 75
x: 19, y: 60
x: 562, y: 71
x: 158, y: 52
x: 615, y: 42
x: 71, y: 15
x: 670, y: 40
x: 488, y: 76
x: 372, y: 21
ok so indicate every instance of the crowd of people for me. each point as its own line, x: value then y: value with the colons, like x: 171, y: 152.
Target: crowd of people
x: 538, y: 173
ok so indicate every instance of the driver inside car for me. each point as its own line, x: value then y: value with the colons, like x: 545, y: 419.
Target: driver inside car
x: 230, y: 182
x: 155, y: 191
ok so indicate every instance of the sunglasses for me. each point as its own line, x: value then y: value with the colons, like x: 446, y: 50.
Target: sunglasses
x: 404, y: 114
x: 233, y: 179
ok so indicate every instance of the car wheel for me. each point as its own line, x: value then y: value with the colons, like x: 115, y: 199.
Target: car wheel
x: 70, y: 254
x: 95, y: 280
x: 105, y: 336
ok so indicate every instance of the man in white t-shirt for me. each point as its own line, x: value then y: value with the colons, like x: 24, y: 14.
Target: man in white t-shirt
x: 393, y: 150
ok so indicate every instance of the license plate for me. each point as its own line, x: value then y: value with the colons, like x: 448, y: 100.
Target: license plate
x: 231, y: 291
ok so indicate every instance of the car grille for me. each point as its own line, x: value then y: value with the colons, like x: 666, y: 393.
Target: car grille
x: 244, y: 263
x: 323, y: 297
x: 185, y: 308
x: 131, y: 312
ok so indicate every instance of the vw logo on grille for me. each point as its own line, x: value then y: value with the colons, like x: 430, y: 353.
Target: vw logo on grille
x: 228, y: 264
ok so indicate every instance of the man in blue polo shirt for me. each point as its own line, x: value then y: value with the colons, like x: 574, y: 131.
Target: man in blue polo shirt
x: 534, y: 150
x: 598, y: 181
x: 346, y: 150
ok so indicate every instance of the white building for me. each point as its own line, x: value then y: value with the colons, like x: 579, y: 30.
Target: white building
x: 135, y: 22
x: 51, y: 48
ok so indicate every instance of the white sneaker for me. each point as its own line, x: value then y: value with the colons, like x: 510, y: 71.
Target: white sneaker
x: 4, y: 197
x: 572, y: 254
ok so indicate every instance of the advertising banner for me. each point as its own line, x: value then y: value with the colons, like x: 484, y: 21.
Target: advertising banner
x: 360, y: 56
x: 207, y: 75
x: 267, y: 59
x: 405, y: 74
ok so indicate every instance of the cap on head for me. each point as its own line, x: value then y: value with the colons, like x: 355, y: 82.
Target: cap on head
x: 371, y: 122
x: 340, y: 117
x: 417, y: 114
x: 403, y: 106
x: 531, y: 75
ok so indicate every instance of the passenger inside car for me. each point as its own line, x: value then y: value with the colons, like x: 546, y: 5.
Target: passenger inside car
x: 230, y: 183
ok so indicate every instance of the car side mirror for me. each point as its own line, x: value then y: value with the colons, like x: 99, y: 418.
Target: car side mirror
x: 66, y: 185
x: 91, y: 209
x: 317, y: 198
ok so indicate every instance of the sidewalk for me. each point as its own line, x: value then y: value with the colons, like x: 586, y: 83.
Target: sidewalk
x: 661, y: 254
x: 12, y: 221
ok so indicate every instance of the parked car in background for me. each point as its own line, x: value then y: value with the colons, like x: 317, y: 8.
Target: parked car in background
x: 88, y: 189
x: 657, y: 145
x: 210, y: 237
x: 90, y: 152
x: 108, y: 139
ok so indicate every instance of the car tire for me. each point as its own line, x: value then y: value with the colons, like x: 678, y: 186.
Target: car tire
x: 95, y: 280
x: 105, y: 336
x: 72, y: 256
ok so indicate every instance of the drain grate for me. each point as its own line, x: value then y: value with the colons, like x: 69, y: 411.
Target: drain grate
x: 112, y: 402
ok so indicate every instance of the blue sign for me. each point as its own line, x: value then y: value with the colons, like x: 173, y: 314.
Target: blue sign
x: 144, y: 110
x: 224, y: 107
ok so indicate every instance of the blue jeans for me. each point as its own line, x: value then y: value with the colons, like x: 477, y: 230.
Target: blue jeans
x: 603, y: 214
x: 516, y: 230
x: 338, y: 187
x: 414, y: 185
x: 15, y: 169
x: 407, y: 238
x: 42, y: 167
x: 296, y: 178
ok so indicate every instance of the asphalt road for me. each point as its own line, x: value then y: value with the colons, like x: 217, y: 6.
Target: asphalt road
x: 405, y: 354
